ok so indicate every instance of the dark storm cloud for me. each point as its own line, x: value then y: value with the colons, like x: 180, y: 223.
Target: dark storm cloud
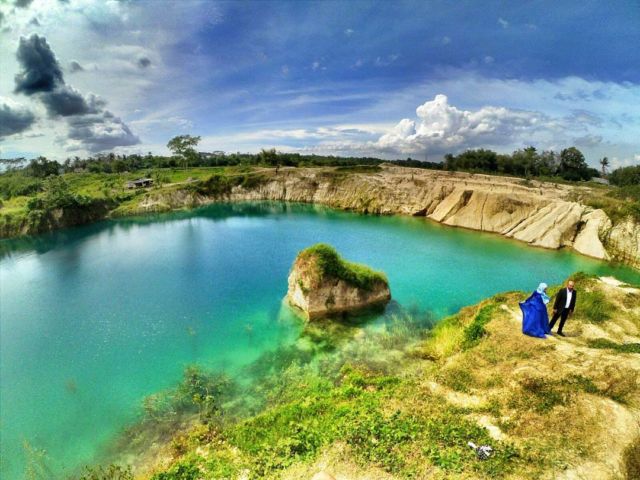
x: 14, y: 120
x: 95, y: 128
x: 67, y: 101
x: 75, y: 67
x: 144, y: 62
x: 40, y: 69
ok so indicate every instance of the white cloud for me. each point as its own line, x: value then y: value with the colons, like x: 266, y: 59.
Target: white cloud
x: 503, y: 23
x: 445, y: 40
x: 617, y: 162
x: 442, y: 128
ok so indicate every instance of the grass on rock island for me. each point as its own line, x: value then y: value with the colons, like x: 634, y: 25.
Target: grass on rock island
x: 329, y: 263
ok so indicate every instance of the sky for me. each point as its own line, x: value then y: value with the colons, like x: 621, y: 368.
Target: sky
x: 391, y: 79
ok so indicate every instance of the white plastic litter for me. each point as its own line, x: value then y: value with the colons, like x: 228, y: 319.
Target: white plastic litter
x: 483, y: 452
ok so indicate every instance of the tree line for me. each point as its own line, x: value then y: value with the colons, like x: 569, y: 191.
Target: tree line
x: 569, y: 164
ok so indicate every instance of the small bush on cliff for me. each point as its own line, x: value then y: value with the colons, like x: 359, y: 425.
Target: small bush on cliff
x: 331, y: 264
x: 475, y: 330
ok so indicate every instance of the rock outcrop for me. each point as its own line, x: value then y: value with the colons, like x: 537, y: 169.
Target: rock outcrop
x: 322, y: 284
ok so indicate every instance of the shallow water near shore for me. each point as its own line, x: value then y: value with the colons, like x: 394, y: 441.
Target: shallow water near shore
x: 93, y: 319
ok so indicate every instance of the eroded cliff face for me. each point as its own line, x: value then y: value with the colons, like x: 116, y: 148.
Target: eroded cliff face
x: 536, y: 213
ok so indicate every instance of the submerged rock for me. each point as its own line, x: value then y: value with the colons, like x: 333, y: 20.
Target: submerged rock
x: 322, y: 284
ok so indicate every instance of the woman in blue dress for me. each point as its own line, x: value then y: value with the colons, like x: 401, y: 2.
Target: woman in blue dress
x: 535, y: 319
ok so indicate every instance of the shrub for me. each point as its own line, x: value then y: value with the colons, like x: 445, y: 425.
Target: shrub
x: 594, y: 306
x: 475, y: 330
x: 184, y: 470
x: 111, y: 472
x: 199, y: 392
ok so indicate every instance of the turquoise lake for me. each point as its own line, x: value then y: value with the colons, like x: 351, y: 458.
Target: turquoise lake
x: 92, y: 319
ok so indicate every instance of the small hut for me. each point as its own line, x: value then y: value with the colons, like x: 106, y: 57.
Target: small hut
x: 140, y: 183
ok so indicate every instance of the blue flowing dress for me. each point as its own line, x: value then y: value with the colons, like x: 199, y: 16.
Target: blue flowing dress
x: 535, y: 320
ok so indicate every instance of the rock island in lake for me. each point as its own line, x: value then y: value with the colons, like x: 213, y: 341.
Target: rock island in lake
x: 323, y: 284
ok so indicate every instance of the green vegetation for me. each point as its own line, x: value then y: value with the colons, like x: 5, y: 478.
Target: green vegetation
x: 618, y: 347
x: 111, y: 472
x: 34, y: 204
x: 569, y: 164
x: 625, y: 176
x: 620, y: 202
x: 221, y: 183
x: 184, y: 147
x: 329, y: 263
x: 351, y: 409
x: 475, y: 330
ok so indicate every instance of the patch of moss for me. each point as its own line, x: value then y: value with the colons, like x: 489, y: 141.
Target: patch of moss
x: 329, y: 263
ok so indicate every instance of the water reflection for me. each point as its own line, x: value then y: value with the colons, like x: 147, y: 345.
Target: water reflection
x: 218, y: 212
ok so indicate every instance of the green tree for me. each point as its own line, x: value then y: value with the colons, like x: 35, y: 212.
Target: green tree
x: 604, y: 162
x: 268, y: 157
x: 527, y: 161
x: 547, y: 163
x: 41, y: 167
x: 573, y: 165
x: 184, y: 147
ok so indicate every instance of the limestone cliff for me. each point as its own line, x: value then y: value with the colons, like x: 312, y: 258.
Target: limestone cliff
x: 537, y: 213
x: 322, y: 284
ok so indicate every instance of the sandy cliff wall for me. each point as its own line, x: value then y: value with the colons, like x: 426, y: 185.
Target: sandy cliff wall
x: 533, y: 212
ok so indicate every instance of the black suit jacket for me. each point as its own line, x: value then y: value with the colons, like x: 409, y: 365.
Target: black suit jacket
x: 561, y: 300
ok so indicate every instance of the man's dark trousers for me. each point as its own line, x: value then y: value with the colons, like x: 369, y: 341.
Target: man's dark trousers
x: 563, y: 313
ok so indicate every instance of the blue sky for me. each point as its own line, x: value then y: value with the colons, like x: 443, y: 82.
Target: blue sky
x: 390, y: 79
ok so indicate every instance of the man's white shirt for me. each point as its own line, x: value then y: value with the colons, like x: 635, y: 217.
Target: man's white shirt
x: 569, y: 295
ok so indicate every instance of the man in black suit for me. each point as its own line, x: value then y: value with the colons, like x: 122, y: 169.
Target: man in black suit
x: 563, y: 306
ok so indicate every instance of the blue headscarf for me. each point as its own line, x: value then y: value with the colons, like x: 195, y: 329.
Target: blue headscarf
x: 541, y: 290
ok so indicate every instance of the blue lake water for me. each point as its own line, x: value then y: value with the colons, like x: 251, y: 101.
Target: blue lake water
x: 94, y: 318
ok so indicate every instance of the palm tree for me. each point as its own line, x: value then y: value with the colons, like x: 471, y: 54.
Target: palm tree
x: 605, y: 163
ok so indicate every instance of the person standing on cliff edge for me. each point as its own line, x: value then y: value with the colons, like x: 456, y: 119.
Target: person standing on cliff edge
x: 563, y: 306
